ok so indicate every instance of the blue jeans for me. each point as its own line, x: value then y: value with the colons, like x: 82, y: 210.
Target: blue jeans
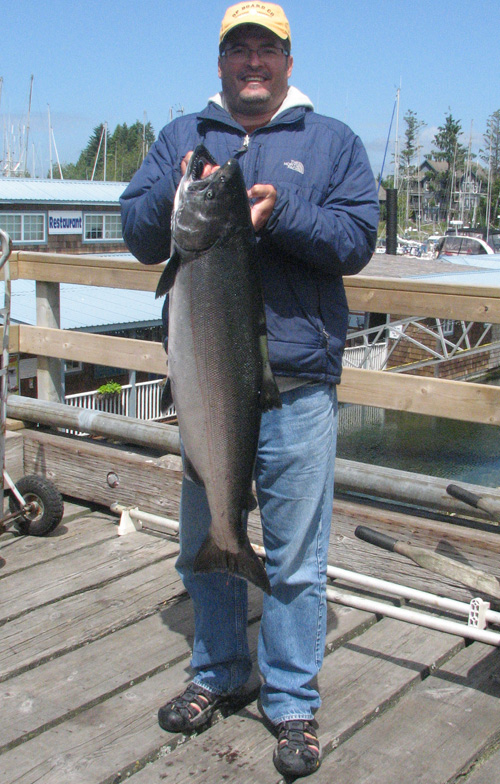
x: 294, y: 477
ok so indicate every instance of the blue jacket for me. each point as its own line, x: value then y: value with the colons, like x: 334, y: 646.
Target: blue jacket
x: 323, y: 226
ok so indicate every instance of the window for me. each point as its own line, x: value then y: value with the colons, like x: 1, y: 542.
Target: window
x: 448, y: 326
x: 103, y: 226
x: 23, y: 226
x: 71, y: 366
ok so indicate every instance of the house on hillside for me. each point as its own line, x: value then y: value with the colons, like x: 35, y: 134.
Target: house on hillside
x: 427, y: 200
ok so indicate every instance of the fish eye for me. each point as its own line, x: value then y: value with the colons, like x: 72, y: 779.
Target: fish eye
x: 210, y: 194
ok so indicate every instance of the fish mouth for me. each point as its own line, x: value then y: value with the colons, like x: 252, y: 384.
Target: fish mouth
x: 197, y: 162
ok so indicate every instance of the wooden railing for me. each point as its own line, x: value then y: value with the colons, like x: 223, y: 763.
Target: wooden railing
x: 410, y: 297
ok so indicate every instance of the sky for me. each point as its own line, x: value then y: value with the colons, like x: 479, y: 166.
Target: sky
x: 116, y: 61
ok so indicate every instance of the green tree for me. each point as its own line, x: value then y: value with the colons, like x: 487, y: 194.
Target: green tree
x: 125, y: 150
x: 448, y: 148
x: 410, y: 149
x: 491, y: 152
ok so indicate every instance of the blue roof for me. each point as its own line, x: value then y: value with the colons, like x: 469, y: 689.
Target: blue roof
x: 90, y: 308
x: 35, y: 191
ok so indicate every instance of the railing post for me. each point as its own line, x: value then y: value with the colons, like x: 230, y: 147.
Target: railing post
x: 49, y: 370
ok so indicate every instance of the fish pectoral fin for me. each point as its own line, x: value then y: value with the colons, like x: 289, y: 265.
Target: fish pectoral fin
x: 166, y: 397
x: 191, y: 473
x: 269, y: 392
x: 245, y: 563
x: 168, y: 275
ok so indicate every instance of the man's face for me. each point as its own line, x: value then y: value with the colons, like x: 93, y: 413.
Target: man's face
x: 253, y: 83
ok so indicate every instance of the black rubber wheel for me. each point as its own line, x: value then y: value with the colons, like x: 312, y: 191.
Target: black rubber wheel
x: 46, y: 502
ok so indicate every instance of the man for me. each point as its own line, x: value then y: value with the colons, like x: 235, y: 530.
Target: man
x: 315, y: 211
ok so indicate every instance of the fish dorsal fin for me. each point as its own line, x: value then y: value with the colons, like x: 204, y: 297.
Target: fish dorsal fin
x: 168, y: 275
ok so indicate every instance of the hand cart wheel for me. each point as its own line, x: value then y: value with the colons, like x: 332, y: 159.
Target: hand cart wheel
x: 35, y: 503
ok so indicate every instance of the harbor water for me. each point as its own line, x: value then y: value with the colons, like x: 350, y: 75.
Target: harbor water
x: 447, y: 448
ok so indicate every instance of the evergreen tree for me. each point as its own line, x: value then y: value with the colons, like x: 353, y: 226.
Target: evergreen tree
x: 410, y: 150
x: 451, y: 151
x: 491, y: 152
x: 125, y: 148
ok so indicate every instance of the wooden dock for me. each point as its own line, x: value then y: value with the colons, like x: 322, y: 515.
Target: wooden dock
x: 96, y: 634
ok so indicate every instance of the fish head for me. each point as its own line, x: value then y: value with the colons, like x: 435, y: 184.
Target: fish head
x: 207, y: 209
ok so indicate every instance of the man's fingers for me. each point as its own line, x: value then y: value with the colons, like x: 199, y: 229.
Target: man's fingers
x: 264, y: 199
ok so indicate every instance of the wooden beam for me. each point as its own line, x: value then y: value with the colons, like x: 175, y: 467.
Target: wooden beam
x: 87, y: 347
x: 382, y: 294
x: 13, y: 338
x: 421, y: 395
x: 417, y: 394
x: 88, y: 271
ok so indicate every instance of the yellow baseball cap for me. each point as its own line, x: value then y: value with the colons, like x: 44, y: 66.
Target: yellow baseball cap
x: 268, y: 15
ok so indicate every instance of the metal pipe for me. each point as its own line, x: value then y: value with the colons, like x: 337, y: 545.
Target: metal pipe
x: 413, y: 594
x: 411, y: 616
x: 155, y: 435
x: 157, y: 523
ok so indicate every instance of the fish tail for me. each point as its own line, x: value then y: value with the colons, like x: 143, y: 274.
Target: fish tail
x: 245, y: 563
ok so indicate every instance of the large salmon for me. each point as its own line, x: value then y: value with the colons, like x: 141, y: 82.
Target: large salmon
x: 218, y: 368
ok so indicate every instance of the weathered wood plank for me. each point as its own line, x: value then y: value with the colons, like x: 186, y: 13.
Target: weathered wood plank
x: 81, y: 571
x: 417, y: 394
x: 144, y: 355
x: 484, y: 772
x: 421, y: 395
x: 80, y: 468
x: 434, y: 733
x: 80, y: 527
x: 387, y: 284
x: 50, y: 693
x: 58, y: 627
x: 474, y: 547
x: 357, y: 682
x: 114, y: 735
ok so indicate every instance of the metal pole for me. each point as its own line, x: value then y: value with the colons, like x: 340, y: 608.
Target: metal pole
x: 133, y: 519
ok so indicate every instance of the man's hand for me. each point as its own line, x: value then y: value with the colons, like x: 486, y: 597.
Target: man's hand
x: 208, y: 169
x: 264, y: 199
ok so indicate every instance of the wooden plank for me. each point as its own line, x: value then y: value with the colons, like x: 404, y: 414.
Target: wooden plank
x: 357, y: 682
x: 435, y: 732
x: 114, y: 735
x: 58, y: 627
x: 421, y: 395
x: 80, y: 571
x: 80, y: 468
x: 379, y: 291
x: 473, y: 546
x: 417, y: 394
x: 14, y: 455
x: 484, y: 771
x: 80, y: 527
x: 127, y: 353
x: 87, y: 270
x: 34, y: 700
x: 421, y: 298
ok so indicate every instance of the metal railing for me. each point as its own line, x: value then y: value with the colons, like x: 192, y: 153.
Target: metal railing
x: 141, y: 401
